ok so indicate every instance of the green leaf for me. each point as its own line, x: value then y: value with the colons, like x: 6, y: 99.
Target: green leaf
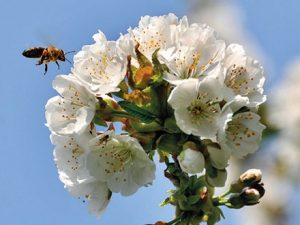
x: 214, y: 216
x: 159, y: 68
x: 184, y: 183
x: 142, y: 59
x: 169, y: 143
x: 99, y: 121
x: 165, y: 202
x: 193, y: 199
x: 137, y: 112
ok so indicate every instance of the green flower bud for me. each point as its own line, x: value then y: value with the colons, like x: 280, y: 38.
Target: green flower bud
x: 235, y: 201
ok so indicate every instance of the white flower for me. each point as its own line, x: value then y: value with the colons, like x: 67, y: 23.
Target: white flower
x: 197, y: 50
x: 239, y: 133
x: 218, y: 157
x: 100, y: 66
x: 284, y: 107
x: 98, y: 198
x: 287, y: 154
x: 191, y: 161
x: 245, y: 76
x: 154, y: 33
x: 218, y: 179
x: 69, y: 157
x: 196, y: 106
x: 120, y: 161
x: 74, y: 110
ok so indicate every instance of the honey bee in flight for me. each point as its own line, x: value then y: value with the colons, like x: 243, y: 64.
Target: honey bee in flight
x: 46, y: 55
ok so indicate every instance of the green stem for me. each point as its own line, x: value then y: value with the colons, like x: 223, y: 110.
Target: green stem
x: 225, y: 194
x: 220, y: 201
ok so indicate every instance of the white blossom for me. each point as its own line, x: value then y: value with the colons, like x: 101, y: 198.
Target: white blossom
x: 196, y: 106
x: 287, y: 153
x: 73, y: 110
x: 120, y: 161
x: 284, y: 107
x: 70, y: 157
x: 218, y: 157
x: 196, y: 51
x: 100, y: 66
x: 153, y: 33
x: 191, y: 161
x: 245, y: 76
x: 221, y: 15
x: 240, y: 133
x: 219, y: 178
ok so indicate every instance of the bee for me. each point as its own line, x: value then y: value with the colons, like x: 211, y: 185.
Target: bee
x: 46, y: 55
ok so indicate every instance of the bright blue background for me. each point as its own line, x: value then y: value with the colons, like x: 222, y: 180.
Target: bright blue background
x: 30, y: 191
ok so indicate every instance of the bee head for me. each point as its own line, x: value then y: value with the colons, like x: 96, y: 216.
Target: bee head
x: 64, y: 58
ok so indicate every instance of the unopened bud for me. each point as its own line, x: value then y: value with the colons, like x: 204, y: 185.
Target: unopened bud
x: 236, y: 201
x: 250, y: 177
x: 216, y: 178
x: 218, y: 157
x: 250, y: 196
x: 260, y: 188
x: 191, y: 161
x: 190, y: 145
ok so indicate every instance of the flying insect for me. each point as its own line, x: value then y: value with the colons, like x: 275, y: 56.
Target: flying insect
x: 46, y: 55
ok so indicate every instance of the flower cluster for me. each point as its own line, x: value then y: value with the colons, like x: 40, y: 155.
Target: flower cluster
x: 285, y: 117
x: 177, y: 90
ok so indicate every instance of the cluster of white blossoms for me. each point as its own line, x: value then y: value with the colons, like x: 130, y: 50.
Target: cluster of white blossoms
x: 285, y: 116
x: 165, y: 78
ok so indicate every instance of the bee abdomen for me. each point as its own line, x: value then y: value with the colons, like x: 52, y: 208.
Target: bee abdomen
x: 33, y: 52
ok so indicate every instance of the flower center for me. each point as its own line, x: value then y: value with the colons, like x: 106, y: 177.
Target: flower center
x: 121, y: 158
x: 196, y: 109
x: 117, y: 158
x: 200, y: 110
x: 237, y: 132
x: 236, y: 78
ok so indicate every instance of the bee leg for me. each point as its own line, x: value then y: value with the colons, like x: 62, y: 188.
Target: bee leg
x: 57, y: 64
x: 46, y: 68
x: 39, y: 63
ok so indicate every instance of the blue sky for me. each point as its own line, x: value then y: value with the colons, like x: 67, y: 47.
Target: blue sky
x: 31, y: 193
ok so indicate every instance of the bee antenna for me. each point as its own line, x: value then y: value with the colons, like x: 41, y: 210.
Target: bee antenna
x: 68, y: 60
x: 69, y: 52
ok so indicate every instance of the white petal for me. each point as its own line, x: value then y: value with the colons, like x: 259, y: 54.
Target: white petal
x: 219, y: 157
x: 120, y: 161
x: 99, y: 199
x: 240, y: 133
x: 73, y: 111
x: 219, y: 179
x: 101, y: 66
x: 196, y: 106
x: 245, y: 76
x: 191, y: 161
